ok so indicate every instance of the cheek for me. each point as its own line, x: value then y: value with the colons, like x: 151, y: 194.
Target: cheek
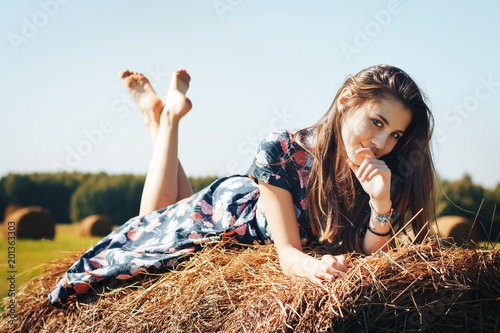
x: 363, y: 133
x: 389, y: 147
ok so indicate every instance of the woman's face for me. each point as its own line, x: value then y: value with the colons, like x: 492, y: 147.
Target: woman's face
x: 377, y: 125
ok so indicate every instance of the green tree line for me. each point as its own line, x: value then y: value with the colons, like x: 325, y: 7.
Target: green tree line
x: 71, y: 197
x: 464, y: 198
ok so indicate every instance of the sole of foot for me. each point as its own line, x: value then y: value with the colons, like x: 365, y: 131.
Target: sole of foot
x: 176, y: 102
x: 144, y: 96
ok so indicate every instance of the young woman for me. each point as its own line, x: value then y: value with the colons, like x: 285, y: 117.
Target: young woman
x: 350, y: 179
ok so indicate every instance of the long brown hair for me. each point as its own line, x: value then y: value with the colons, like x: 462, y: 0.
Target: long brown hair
x: 338, y: 206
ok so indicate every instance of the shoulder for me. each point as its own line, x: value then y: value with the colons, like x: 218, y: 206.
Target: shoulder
x: 280, y: 136
x: 284, y: 145
x: 278, y: 143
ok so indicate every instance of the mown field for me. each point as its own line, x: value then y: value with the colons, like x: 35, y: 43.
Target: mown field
x: 32, y: 254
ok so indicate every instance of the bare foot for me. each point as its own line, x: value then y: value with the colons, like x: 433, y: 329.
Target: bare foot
x: 144, y: 95
x: 176, y: 102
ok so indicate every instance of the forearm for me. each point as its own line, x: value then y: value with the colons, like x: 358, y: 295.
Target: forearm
x: 280, y: 214
x: 372, y: 242
x: 160, y: 188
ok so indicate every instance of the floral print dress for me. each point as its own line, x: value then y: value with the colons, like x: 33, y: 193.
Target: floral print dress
x: 228, y: 208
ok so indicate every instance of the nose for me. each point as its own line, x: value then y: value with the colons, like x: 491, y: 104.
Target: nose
x: 380, y: 141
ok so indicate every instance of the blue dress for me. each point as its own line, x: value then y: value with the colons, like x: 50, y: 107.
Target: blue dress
x: 228, y: 208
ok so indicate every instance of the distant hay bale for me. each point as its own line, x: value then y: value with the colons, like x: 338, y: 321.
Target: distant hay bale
x: 31, y: 223
x: 95, y: 225
x: 10, y: 209
x: 415, y: 288
x: 456, y: 229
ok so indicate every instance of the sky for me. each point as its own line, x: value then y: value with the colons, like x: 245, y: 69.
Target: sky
x: 255, y: 67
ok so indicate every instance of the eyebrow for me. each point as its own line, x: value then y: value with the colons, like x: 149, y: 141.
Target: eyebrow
x: 387, y: 123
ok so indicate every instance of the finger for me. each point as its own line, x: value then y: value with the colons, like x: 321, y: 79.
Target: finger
x: 341, y: 259
x: 369, y: 168
x: 330, y: 275
x: 367, y: 152
x: 328, y: 259
x: 334, y: 272
x: 375, y: 172
x: 367, y: 161
x: 333, y: 266
x: 368, y: 165
x: 380, y: 169
x: 316, y: 280
x: 362, y: 168
x: 340, y: 268
x: 340, y: 263
x: 370, y: 173
x: 324, y: 276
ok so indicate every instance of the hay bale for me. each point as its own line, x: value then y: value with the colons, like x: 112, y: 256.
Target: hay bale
x: 30, y: 223
x: 95, y: 226
x: 456, y: 229
x: 11, y: 208
x: 419, y: 287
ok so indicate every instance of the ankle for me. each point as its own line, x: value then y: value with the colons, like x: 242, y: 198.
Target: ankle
x: 169, y: 118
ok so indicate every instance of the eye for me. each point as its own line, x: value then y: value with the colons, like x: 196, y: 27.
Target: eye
x: 377, y: 122
x: 396, y: 136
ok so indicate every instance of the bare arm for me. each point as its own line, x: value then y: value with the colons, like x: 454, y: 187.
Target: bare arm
x: 375, y: 178
x: 280, y: 215
x: 372, y: 242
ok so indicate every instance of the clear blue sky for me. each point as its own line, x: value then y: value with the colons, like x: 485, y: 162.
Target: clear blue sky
x: 256, y: 66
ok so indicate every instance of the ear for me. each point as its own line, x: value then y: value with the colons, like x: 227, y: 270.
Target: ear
x: 344, y: 96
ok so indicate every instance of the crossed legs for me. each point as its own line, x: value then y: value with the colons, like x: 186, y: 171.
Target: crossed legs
x: 166, y: 182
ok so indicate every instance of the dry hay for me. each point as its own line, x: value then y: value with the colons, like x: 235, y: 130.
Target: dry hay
x: 95, y: 225
x: 226, y: 288
x: 457, y: 229
x: 31, y: 223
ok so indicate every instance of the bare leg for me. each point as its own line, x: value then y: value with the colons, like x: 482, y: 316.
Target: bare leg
x: 151, y: 108
x: 184, y: 188
x: 161, y: 187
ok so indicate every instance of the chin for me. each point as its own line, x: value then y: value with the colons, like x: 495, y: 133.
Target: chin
x: 354, y: 159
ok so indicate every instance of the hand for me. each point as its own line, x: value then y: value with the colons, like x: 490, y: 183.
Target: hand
x: 328, y: 268
x: 373, y: 174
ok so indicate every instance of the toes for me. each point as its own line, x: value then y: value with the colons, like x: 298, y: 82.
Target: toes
x: 124, y: 74
x: 181, y: 73
x: 127, y: 73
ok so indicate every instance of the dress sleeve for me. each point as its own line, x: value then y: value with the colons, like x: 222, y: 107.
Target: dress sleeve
x: 271, y: 163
